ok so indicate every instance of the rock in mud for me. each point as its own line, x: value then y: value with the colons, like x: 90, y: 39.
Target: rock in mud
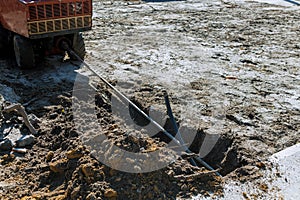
x: 88, y: 170
x: 33, y: 119
x: 6, y: 145
x: 7, y: 158
x: 54, y: 195
x: 91, y: 196
x: 58, y: 166
x: 19, y: 150
x: 91, y: 173
x: 110, y: 193
x: 75, y: 153
x: 75, y: 192
x: 49, y: 156
x: 25, y: 141
x: 53, y: 116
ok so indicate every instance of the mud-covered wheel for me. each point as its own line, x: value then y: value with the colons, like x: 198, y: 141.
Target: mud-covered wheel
x: 23, y: 52
x: 78, y: 45
x: 3, y: 40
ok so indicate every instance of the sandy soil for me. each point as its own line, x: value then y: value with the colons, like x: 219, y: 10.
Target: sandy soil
x: 231, y: 71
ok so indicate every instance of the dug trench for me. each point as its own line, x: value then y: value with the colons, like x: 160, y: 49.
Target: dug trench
x: 224, y: 155
x: 59, y: 166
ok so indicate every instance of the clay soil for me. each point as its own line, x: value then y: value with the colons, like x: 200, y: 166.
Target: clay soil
x: 230, y: 68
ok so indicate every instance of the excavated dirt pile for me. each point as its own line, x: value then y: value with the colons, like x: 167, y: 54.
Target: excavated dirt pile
x: 57, y: 165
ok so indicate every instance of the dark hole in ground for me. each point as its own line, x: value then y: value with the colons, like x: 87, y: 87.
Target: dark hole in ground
x: 169, y: 128
x: 223, y: 155
x: 136, y: 115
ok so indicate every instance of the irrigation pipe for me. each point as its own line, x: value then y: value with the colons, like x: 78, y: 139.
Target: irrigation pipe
x: 293, y: 2
x: 170, y: 113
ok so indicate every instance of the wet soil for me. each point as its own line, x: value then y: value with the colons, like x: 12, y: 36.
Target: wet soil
x: 230, y: 69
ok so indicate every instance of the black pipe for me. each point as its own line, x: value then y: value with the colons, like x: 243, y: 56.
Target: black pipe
x: 293, y: 2
x: 170, y: 114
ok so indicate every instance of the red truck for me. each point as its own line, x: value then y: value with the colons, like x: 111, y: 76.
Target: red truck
x: 36, y: 28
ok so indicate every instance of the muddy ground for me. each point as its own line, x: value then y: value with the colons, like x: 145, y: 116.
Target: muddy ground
x: 230, y: 68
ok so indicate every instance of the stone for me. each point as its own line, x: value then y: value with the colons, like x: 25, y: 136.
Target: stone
x: 49, y: 156
x: 6, y: 145
x: 12, y: 133
x: 54, y: 195
x: 91, y: 173
x: 91, y: 196
x: 58, y: 166
x: 19, y: 150
x: 25, y: 140
x: 74, y: 153
x: 7, y: 158
x: 53, y: 116
x: 75, y: 192
x: 110, y: 193
x: 33, y: 119
x: 88, y: 170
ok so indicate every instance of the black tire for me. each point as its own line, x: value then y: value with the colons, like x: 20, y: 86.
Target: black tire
x: 24, y: 53
x: 3, y: 40
x: 78, y: 46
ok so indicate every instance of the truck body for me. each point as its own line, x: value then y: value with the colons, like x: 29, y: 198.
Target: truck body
x: 43, y: 24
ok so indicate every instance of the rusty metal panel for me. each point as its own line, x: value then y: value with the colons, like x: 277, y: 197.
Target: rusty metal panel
x: 53, y: 9
x: 13, y: 16
x: 57, y: 25
x: 29, y: 18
